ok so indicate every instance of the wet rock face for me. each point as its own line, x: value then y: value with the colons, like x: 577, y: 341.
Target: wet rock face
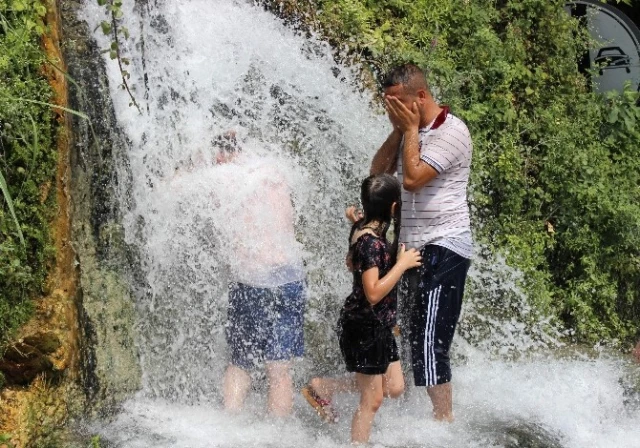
x: 106, y: 266
x: 524, y: 435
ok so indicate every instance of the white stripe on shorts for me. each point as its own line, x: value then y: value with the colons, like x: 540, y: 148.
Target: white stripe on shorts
x: 427, y: 335
x: 429, y: 338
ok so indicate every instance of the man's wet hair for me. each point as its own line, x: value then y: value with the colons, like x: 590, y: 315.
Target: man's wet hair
x: 408, y: 75
x: 227, y: 143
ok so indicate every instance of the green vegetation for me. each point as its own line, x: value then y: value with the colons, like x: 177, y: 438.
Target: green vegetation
x: 5, y: 440
x: 113, y: 27
x: 556, y: 167
x: 27, y: 162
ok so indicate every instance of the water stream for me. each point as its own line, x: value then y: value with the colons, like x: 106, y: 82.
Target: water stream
x: 203, y: 67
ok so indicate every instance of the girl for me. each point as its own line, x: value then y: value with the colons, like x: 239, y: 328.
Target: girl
x: 368, y: 316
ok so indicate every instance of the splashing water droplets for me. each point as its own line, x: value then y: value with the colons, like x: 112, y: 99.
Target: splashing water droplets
x: 216, y: 65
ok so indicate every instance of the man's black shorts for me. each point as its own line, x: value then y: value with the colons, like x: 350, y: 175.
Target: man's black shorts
x: 433, y: 298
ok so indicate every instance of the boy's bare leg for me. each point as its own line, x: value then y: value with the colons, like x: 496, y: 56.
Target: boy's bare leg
x: 280, y: 400
x: 442, y: 399
x: 370, y: 387
x: 393, y: 381
x: 236, y: 386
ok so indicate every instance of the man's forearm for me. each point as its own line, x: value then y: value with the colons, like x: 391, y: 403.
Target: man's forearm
x: 386, y: 158
x: 415, y: 172
x: 411, y: 154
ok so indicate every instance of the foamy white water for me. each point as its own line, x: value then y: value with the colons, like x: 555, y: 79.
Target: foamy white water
x: 217, y: 65
x: 540, y: 403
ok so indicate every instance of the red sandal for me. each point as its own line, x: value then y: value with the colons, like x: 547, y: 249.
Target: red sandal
x: 322, y: 406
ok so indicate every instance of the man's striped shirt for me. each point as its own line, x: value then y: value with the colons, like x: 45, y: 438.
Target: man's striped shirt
x: 439, y: 213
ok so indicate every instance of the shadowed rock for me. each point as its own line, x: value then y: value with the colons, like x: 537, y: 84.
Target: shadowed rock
x: 22, y: 363
x: 26, y: 359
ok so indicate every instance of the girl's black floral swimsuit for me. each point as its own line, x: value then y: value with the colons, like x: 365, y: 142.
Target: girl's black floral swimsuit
x: 366, y: 338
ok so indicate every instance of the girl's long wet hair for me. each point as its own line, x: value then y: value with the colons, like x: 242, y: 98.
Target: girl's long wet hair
x: 378, y: 193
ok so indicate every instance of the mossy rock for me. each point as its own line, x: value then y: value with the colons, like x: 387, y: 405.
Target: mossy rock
x: 46, y: 342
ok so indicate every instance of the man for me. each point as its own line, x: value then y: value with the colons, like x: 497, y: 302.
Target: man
x: 430, y: 149
x: 267, y: 293
x: 636, y: 352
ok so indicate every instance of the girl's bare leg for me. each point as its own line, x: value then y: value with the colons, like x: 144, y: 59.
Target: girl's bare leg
x: 370, y: 387
x: 327, y: 387
x: 393, y: 381
x: 236, y: 386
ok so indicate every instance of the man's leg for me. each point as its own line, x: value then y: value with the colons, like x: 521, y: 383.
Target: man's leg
x: 280, y: 399
x: 435, y: 320
x: 442, y: 400
x: 236, y: 386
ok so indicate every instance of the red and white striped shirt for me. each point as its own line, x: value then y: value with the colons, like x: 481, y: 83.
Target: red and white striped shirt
x: 439, y: 212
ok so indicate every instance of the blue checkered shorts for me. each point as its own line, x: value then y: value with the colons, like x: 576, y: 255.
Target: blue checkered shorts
x: 265, y: 324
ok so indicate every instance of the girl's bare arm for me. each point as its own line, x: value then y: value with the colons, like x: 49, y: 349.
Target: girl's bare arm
x: 375, y: 288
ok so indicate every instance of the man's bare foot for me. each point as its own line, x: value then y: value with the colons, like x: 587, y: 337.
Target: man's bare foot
x: 444, y: 418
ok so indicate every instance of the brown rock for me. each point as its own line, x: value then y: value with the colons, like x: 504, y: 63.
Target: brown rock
x: 25, y: 360
x: 46, y: 342
x: 23, y: 373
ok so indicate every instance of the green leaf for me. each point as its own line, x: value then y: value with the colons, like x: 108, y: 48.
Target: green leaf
x: 18, y: 5
x: 630, y: 123
x: 54, y: 106
x: 613, y: 115
x: 106, y: 27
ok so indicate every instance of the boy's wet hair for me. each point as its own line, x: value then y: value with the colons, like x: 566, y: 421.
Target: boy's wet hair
x: 227, y: 143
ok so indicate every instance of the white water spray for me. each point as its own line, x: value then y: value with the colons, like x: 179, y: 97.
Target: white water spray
x: 216, y: 65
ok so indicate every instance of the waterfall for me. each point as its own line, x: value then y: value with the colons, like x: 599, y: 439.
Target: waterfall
x: 200, y: 68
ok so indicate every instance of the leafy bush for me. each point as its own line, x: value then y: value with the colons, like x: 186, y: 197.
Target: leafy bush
x: 27, y: 161
x: 555, y: 168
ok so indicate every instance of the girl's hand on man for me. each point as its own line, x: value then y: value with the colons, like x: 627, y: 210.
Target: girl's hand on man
x: 408, y: 259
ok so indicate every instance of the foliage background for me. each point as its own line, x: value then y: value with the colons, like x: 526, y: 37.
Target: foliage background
x: 556, y: 172
x: 27, y: 161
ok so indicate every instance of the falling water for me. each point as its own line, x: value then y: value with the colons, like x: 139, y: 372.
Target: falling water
x: 202, y: 68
